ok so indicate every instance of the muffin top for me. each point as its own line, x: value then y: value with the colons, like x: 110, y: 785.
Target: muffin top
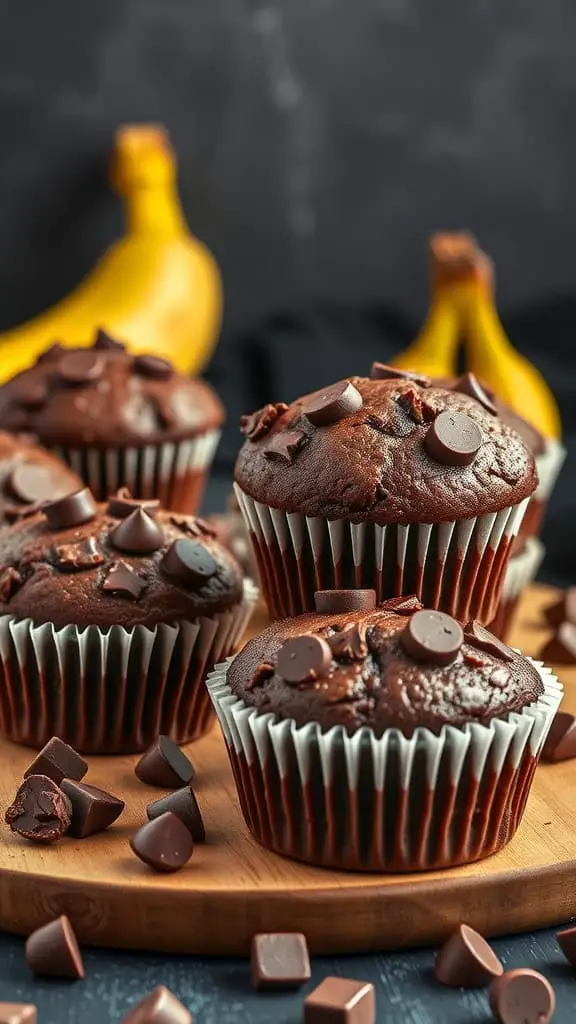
x: 28, y: 476
x: 123, y: 563
x: 394, y: 666
x: 105, y: 397
x: 390, y: 449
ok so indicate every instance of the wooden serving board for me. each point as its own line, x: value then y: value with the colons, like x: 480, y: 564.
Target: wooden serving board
x: 233, y: 888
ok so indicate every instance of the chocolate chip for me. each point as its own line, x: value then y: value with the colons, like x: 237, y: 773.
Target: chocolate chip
x: 418, y: 406
x: 340, y: 602
x: 561, y: 648
x: 138, y: 533
x: 122, y: 504
x: 453, y: 439
x: 285, y: 447
x: 258, y: 423
x: 71, y: 510
x: 478, y: 636
x: 466, y: 960
x: 10, y: 582
x: 18, y: 1013
x: 189, y: 562
x: 403, y: 605
x: 122, y: 580
x: 158, y: 1007
x: 32, y: 484
x: 349, y: 644
x: 341, y: 1001
x: 80, y: 367
x: 567, y: 942
x: 468, y: 384
x: 303, y: 658
x: 184, y: 805
x: 40, y: 811
x: 31, y: 394
x: 52, y: 951
x: 58, y: 761
x: 560, y: 744
x: 262, y: 672
x: 164, y: 765
x: 165, y: 844
x: 75, y: 557
x: 93, y: 809
x: 432, y: 636
x: 105, y: 343
x: 382, y: 371
x: 153, y: 367
x: 522, y: 996
x: 563, y: 610
x: 279, y: 960
x: 332, y: 404
x: 52, y: 352
x: 193, y: 525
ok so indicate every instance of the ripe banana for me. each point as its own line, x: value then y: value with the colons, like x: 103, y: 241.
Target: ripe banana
x: 157, y: 288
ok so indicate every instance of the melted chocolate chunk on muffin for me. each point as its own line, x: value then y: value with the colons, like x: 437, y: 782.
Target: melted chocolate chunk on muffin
x: 396, y: 666
x: 122, y: 563
x: 29, y: 476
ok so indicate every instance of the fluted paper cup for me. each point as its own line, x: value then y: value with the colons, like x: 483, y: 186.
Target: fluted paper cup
x: 520, y: 571
x: 174, y: 472
x: 113, y: 691
x: 457, y: 567
x: 548, y: 466
x: 394, y: 804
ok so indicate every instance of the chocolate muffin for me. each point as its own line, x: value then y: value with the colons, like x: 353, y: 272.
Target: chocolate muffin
x: 525, y: 559
x: 388, y: 738
x: 110, y: 617
x: 119, y: 420
x: 389, y: 483
x: 28, y: 476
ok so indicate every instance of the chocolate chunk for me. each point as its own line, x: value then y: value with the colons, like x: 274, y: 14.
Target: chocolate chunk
x: 52, y: 951
x: 165, y: 843
x: 80, y: 367
x: 258, y: 423
x: 478, y: 636
x: 93, y: 810
x: 158, y: 1007
x: 71, y: 510
x: 382, y: 371
x: 561, y: 648
x: 341, y: 1001
x: 153, y: 367
x: 41, y: 812
x: 303, y: 658
x: 522, y: 997
x: 105, y: 343
x: 262, y: 672
x: 138, y: 533
x: 468, y: 384
x: 419, y: 408
x: 193, y: 525
x: 284, y: 447
x: 466, y: 960
x: 31, y: 394
x: 332, y: 404
x: 52, y: 352
x: 339, y: 602
x: 164, y: 765
x: 279, y: 960
x: 10, y: 582
x: 567, y: 942
x: 563, y: 610
x: 189, y: 562
x: 349, y: 644
x: 453, y: 439
x: 122, y: 504
x: 58, y: 761
x: 403, y: 605
x: 32, y: 484
x: 17, y: 1013
x: 184, y: 805
x: 124, y: 581
x: 75, y: 557
x: 432, y: 636
x: 560, y: 744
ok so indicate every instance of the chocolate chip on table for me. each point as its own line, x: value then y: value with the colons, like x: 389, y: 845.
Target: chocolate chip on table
x: 341, y: 1001
x: 560, y: 744
x: 164, y: 765
x: 432, y: 636
x: 40, y: 812
x: 52, y: 951
x: 153, y: 367
x: 453, y: 439
x: 184, y: 805
x: 105, y: 343
x: 340, y: 602
x: 122, y: 504
x: 567, y: 942
x: 279, y: 960
x: 18, y: 1013
x: 561, y: 648
x: 522, y: 996
x: 382, y: 371
x: 80, y: 367
x: 58, y: 761
x: 93, y: 809
x: 332, y: 403
x: 466, y: 960
x: 32, y: 484
x: 76, y: 557
x: 563, y: 610
x: 137, y: 534
x: 165, y: 843
x: 189, y: 562
x: 71, y: 510
x: 478, y: 636
x: 468, y: 384
x: 284, y: 447
x: 159, y: 1007
x: 303, y: 658
x: 123, y: 580
x: 403, y: 605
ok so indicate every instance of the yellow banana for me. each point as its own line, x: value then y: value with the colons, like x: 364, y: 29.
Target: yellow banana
x: 157, y: 288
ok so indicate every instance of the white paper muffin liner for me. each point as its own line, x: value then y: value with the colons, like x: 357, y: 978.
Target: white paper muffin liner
x: 457, y: 567
x: 113, y: 691
x: 383, y: 804
x: 174, y: 472
x: 520, y: 571
x: 548, y: 466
